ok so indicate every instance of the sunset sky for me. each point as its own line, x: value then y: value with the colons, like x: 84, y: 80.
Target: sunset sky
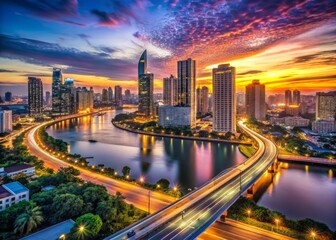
x: 285, y: 44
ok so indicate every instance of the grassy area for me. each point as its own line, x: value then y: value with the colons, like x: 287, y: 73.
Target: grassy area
x: 248, y: 151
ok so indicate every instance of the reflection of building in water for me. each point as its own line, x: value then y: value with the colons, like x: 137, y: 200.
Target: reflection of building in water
x: 146, y: 156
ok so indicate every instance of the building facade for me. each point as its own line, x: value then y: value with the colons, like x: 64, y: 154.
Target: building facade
x: 8, y: 97
x: 224, y: 98
x: 84, y: 100
x: 174, y: 116
x: 68, y: 97
x: 118, y: 96
x: 48, y: 99
x: 170, y: 95
x: 11, y: 193
x: 288, y: 97
x: 186, y: 87
x: 324, y: 126
x: 128, y: 96
x: 255, y: 100
x: 35, y: 96
x: 296, y: 97
x: 290, y: 121
x: 6, y: 124
x: 325, y: 105
x: 57, y: 82
x: 110, y: 95
x: 146, y: 99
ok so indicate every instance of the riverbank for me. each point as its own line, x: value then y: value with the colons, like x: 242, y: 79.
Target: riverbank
x: 307, y: 160
x: 179, y: 136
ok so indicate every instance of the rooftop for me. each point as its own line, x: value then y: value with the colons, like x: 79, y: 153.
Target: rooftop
x: 52, y: 232
x: 4, y: 193
x: 16, y: 168
x: 15, y: 187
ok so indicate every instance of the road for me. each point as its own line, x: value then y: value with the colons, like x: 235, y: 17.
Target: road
x: 234, y: 230
x: 134, y: 194
x: 205, y: 205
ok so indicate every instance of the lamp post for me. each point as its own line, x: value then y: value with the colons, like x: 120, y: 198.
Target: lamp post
x: 313, y: 234
x: 249, y: 213
x: 148, y: 202
x: 277, y: 223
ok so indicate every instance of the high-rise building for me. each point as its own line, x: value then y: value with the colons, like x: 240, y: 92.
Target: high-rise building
x: 142, y: 65
x: 255, y: 100
x: 296, y: 97
x: 170, y: 91
x: 186, y: 87
x: 110, y: 95
x: 6, y: 121
x: 68, y: 97
x: 48, y: 98
x: 57, y: 82
x: 224, y: 98
x: 202, y: 100
x: 325, y: 105
x: 288, y: 97
x: 35, y: 96
x: 84, y: 99
x: 146, y: 100
x: 145, y: 86
x: 127, y: 96
x: 104, y: 96
x: 8, y: 97
x: 118, y: 96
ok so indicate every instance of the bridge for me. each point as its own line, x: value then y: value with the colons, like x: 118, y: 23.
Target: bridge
x: 191, y: 215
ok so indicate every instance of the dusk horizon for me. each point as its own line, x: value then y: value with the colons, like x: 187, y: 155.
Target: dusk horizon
x: 281, y: 44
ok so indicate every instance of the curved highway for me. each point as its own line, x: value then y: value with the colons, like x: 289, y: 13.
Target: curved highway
x: 194, y: 213
x: 134, y: 194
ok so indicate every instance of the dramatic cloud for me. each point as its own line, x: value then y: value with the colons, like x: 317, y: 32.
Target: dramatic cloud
x: 250, y: 72
x: 325, y: 56
x: 78, y: 62
x: 122, y: 13
x: 6, y: 71
x: 56, y: 10
x: 212, y: 30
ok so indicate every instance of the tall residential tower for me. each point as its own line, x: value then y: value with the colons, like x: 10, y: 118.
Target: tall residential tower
x: 35, y: 96
x: 255, y: 100
x: 224, y: 98
x: 57, y: 82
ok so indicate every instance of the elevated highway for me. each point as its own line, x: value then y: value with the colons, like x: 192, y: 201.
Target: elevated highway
x: 191, y: 215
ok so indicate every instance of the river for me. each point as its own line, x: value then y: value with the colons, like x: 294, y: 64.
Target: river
x: 185, y: 163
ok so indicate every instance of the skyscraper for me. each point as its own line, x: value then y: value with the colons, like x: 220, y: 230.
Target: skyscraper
x: 8, y: 97
x: 186, y: 74
x: 325, y: 105
x: 288, y: 97
x: 145, y: 86
x: 296, y: 97
x: 202, y: 100
x: 48, y: 98
x: 110, y: 95
x: 6, y: 121
x: 170, y: 90
x: 35, y: 96
x: 84, y: 99
x: 142, y: 65
x: 68, y: 97
x: 118, y: 96
x: 146, y: 101
x: 104, y: 96
x: 127, y: 96
x: 224, y: 98
x: 57, y: 81
x: 255, y: 100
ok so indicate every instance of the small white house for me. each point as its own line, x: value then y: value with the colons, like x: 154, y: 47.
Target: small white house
x: 14, y: 170
x: 11, y: 193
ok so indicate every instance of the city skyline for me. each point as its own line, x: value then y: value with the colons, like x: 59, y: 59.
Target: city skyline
x: 107, y: 38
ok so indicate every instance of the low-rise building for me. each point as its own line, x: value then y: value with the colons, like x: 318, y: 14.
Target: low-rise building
x: 14, y: 170
x: 290, y: 121
x: 292, y: 110
x: 11, y: 193
x: 170, y: 116
x: 324, y: 126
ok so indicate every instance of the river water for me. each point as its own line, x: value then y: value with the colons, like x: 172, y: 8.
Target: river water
x: 184, y: 163
x: 297, y: 191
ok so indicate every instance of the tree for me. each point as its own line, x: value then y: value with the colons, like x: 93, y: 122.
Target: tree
x: 119, y: 202
x: 94, y: 195
x: 164, y: 183
x: 126, y: 170
x: 28, y: 220
x: 87, y: 224
x: 66, y: 206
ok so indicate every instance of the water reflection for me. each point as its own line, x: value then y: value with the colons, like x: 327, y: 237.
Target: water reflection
x: 183, y: 162
x: 301, y: 191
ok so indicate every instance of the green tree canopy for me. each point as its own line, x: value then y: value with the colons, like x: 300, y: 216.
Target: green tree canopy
x: 29, y: 219
x: 87, y: 225
x: 126, y: 170
x: 164, y: 183
x: 66, y: 206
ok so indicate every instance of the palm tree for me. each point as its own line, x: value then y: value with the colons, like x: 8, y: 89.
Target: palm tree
x: 29, y: 219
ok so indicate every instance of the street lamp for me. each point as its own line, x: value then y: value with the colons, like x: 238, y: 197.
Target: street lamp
x: 142, y: 179
x: 158, y: 186
x: 81, y: 228
x: 249, y: 213
x: 313, y: 234
x: 277, y: 223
